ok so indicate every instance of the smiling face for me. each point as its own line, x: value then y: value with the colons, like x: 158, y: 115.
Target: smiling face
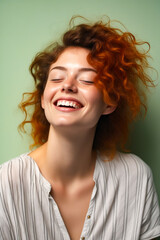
x: 71, y: 97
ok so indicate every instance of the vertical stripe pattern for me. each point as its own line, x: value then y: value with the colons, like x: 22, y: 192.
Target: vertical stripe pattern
x: 123, y: 206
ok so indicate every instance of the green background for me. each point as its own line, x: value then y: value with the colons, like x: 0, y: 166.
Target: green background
x: 26, y: 27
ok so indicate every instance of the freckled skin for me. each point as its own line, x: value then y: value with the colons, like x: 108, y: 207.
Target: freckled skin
x: 66, y: 80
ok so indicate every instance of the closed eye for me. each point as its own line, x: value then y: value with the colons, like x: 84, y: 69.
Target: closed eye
x: 86, y: 82
x: 56, y: 79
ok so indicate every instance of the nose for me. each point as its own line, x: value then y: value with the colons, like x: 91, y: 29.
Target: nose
x: 69, y: 85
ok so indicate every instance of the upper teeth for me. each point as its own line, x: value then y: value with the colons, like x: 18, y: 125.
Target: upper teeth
x: 67, y: 103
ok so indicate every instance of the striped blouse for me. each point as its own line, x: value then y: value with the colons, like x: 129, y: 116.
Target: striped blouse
x: 123, y: 204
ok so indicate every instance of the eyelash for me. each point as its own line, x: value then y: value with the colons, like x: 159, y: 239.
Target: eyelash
x: 87, y: 82
x: 56, y: 80
x: 83, y: 81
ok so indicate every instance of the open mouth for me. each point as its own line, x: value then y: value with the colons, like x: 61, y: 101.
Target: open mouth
x: 68, y: 104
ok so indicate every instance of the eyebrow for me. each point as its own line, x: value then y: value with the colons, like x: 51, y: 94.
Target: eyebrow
x: 80, y: 70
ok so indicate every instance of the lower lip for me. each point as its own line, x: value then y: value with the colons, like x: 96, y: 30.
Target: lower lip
x: 65, y: 109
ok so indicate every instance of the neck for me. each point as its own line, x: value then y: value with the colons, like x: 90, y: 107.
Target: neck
x: 68, y: 155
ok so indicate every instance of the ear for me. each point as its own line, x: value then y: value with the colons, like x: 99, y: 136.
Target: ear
x: 42, y: 101
x: 109, y: 109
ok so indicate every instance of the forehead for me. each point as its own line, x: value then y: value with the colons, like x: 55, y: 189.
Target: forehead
x: 73, y: 56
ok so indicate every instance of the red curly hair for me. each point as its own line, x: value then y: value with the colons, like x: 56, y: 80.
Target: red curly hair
x: 121, y: 74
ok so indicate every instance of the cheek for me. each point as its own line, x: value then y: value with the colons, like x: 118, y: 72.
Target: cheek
x: 96, y: 97
x: 45, y: 98
x: 98, y: 103
x: 48, y: 94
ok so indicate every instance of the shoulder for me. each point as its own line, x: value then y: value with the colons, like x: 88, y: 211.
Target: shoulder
x: 128, y: 165
x: 133, y: 162
x: 12, y: 171
x: 13, y: 163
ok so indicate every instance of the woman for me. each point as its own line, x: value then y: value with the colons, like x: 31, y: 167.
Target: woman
x: 77, y: 184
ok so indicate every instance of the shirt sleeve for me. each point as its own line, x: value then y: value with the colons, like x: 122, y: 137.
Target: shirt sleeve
x: 5, y: 229
x: 150, y: 227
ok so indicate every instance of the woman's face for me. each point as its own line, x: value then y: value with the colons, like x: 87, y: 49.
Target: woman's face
x: 71, y: 97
